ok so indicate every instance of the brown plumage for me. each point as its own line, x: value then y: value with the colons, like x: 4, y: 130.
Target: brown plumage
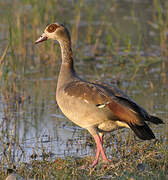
x: 95, y: 106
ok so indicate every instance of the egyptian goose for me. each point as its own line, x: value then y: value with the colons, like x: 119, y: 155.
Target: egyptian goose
x: 97, y: 107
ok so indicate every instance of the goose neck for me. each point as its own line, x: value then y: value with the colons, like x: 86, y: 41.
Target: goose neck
x: 66, y: 51
x: 67, y: 72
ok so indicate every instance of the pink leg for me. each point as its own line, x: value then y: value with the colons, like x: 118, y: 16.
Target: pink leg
x: 101, y: 138
x: 95, y: 162
x: 99, y: 143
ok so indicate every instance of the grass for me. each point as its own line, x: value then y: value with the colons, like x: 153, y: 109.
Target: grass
x: 120, y: 44
x: 147, y: 161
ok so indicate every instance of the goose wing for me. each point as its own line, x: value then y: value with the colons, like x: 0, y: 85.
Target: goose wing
x: 105, y: 96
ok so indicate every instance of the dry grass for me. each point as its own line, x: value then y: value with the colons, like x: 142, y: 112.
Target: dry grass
x: 147, y: 161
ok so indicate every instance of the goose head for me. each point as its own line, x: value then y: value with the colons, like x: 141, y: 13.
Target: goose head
x: 54, y: 31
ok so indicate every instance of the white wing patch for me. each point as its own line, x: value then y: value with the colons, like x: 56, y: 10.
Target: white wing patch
x: 102, y: 105
x: 86, y: 101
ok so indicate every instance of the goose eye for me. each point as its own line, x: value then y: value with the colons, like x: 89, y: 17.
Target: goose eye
x: 51, y: 28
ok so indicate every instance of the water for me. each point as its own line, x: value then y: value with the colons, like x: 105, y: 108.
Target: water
x: 116, y: 45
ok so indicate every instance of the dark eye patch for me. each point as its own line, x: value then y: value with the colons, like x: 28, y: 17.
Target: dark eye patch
x: 52, y: 27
